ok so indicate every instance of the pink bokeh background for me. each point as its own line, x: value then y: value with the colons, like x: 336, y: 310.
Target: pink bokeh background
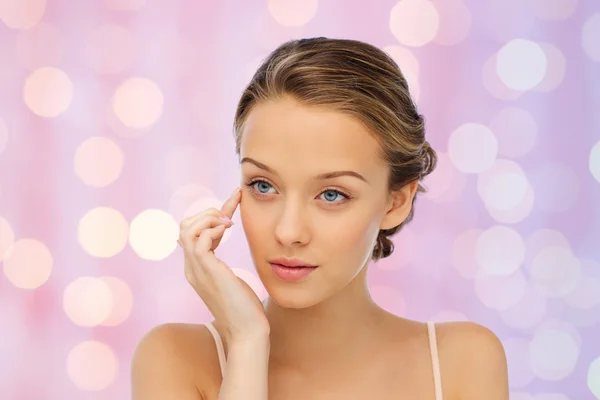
x: 116, y: 122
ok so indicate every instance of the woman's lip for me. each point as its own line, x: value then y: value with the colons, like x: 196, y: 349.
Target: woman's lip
x: 291, y: 273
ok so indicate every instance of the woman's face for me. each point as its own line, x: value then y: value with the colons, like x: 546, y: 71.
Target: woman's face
x: 289, y: 210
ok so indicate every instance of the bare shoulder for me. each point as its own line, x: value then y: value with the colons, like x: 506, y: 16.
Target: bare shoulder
x: 173, y: 361
x: 474, y: 356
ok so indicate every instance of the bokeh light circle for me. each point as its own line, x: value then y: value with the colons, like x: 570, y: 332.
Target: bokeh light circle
x: 590, y: 32
x: 500, y: 292
x: 594, y: 161
x: 455, y: 22
x: 553, y: 10
x: 48, y: 91
x: 500, y: 250
x: 521, y: 64
x: 293, y: 13
x: 472, y: 148
x: 153, y: 234
x: 103, y: 232
x: 138, y: 103
x: 414, y: 22
x: 556, y: 66
x: 28, y: 263
x: 593, y: 377
x: 519, y: 370
x: 92, y: 365
x: 553, y: 354
x: 555, y: 271
x: 22, y: 14
x: 122, y: 301
x: 556, y: 185
x: 87, y: 301
x: 98, y: 161
x: 516, y: 131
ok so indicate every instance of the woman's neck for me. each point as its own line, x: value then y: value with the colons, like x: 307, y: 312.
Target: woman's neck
x: 336, y: 330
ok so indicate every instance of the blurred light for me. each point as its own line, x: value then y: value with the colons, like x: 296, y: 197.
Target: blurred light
x: 124, y: 5
x: 521, y: 64
x: 122, y: 301
x: 500, y: 292
x: 541, y: 239
x: 268, y: 33
x: 528, y: 312
x: 414, y: 22
x: 389, y: 298
x: 103, y: 232
x: 500, y: 250
x: 39, y: 46
x: 48, y: 92
x: 493, y: 84
x: 553, y: 10
x: 110, y: 49
x: 553, y: 354
x: 519, y: 370
x: 7, y: 237
x: 22, y: 14
x: 28, y: 264
x: 92, y: 365
x: 586, y: 294
x: 186, y: 164
x: 153, y: 234
x: 504, y: 189
x: 472, y: 148
x: 87, y: 301
x: 184, y: 196
x: 409, y: 66
x: 253, y: 281
x: 138, y: 103
x: 516, y: 214
x: 594, y: 163
x: 516, y: 131
x: 98, y: 161
x: 590, y: 32
x: 3, y: 135
x: 293, y: 13
x: 556, y: 186
x: 593, y: 377
x: 464, y: 257
x: 440, y: 180
x: 555, y: 271
x: 455, y: 22
x: 556, y: 65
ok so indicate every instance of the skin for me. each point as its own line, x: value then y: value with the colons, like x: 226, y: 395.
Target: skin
x: 328, y: 338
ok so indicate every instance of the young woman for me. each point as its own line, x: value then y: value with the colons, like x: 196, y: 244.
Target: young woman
x: 332, y: 150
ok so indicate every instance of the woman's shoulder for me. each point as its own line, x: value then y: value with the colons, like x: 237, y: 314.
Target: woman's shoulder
x: 474, y: 356
x: 175, y: 357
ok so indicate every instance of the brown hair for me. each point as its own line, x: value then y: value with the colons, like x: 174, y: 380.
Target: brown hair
x: 357, y: 79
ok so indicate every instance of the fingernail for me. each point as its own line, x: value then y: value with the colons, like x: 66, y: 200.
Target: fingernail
x: 225, y: 219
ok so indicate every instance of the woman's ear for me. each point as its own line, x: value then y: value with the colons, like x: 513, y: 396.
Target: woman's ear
x: 399, y: 206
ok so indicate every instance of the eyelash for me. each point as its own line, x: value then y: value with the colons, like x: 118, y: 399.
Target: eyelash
x: 347, y: 196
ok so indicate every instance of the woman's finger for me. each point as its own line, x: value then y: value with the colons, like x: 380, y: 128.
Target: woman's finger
x: 187, y: 237
x: 203, y: 249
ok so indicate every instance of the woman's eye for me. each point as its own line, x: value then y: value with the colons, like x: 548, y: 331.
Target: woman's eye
x: 331, y: 195
x: 262, y: 187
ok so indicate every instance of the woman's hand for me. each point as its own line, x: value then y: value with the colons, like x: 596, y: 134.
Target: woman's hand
x: 231, y: 301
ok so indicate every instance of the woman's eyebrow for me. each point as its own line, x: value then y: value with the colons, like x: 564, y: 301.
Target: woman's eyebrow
x: 326, y: 175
